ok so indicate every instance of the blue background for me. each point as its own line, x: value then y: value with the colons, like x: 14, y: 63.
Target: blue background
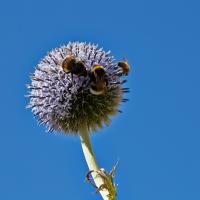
x: 156, y: 138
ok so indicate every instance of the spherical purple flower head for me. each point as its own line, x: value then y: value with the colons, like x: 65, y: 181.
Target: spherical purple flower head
x: 63, y: 102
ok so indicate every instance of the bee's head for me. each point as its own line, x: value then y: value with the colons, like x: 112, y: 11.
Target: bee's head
x: 68, y: 62
x: 69, y: 58
x: 98, y: 70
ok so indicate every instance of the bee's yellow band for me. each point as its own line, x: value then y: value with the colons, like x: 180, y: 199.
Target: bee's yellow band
x: 97, y: 67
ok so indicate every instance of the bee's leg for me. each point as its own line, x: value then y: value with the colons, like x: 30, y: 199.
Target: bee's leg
x: 90, y: 79
x: 88, y: 83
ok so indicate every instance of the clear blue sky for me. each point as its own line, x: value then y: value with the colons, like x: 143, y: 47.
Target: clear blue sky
x: 156, y: 138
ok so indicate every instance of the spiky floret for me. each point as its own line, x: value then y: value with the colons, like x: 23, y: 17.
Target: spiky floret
x: 63, y: 103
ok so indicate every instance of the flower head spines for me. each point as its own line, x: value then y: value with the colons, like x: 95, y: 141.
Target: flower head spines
x: 62, y: 103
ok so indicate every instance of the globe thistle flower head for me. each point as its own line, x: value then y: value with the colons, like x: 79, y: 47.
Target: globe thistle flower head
x: 63, y: 101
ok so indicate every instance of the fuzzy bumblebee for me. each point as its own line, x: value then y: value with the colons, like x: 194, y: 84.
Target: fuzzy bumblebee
x: 125, y: 67
x: 71, y: 65
x: 63, y: 102
x: 98, y: 80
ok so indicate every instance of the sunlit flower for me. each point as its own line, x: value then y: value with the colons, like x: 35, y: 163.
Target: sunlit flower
x: 63, y: 102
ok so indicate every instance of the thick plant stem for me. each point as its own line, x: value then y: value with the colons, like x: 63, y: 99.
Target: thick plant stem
x: 91, y: 162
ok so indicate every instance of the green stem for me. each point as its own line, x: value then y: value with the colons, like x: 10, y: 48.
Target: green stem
x: 91, y: 162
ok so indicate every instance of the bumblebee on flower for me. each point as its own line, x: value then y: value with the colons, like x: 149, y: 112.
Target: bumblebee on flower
x: 75, y: 81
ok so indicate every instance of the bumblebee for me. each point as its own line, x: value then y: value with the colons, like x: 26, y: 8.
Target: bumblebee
x: 125, y: 67
x: 71, y: 65
x: 98, y: 80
